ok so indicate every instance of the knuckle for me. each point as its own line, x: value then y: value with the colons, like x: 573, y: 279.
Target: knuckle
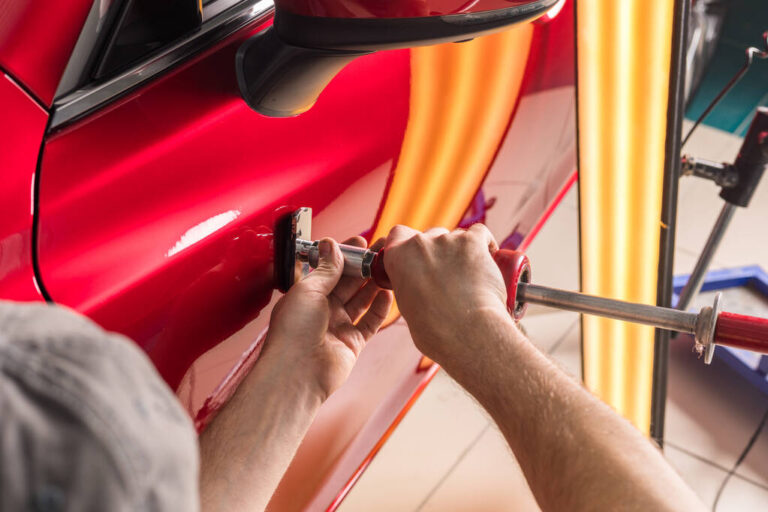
x: 464, y: 238
x: 398, y: 232
x: 419, y: 244
x: 481, y: 233
x: 436, y: 231
x: 417, y: 239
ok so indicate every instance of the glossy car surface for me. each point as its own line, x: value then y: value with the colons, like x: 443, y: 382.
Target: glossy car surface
x: 399, y: 8
x: 146, y: 199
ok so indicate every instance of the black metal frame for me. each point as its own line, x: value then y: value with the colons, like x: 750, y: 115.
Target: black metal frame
x: 672, y: 149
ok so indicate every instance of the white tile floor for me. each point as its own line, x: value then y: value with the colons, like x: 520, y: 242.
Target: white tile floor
x: 447, y: 455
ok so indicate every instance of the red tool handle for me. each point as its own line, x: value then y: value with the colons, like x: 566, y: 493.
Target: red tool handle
x: 742, y: 331
x: 378, y: 274
x: 515, y: 268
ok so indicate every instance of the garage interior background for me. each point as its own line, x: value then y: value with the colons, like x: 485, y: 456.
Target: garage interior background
x: 712, y: 412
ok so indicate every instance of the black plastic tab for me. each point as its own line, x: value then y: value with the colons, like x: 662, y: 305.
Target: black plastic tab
x: 751, y: 162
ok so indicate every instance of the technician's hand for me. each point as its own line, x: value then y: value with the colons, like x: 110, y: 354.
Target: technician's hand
x: 324, y: 320
x: 447, y: 287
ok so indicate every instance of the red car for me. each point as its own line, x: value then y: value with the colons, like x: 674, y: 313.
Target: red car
x: 140, y: 189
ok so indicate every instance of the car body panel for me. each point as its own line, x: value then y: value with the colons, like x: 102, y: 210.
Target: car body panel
x: 36, y: 41
x: 19, y: 147
x: 156, y: 213
x: 398, y: 8
x: 185, y: 181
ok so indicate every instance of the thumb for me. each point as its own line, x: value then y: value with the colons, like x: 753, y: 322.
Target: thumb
x: 329, y: 268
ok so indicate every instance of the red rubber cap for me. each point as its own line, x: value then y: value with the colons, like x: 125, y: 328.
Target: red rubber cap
x: 378, y: 274
x: 515, y: 267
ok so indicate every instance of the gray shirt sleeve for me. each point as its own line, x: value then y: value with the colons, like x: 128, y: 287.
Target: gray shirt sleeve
x: 86, y: 423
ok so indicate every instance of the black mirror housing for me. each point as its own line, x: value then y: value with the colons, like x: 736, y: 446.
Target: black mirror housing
x: 282, y: 70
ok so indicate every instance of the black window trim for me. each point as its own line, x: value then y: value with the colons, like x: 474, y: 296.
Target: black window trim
x: 221, y: 19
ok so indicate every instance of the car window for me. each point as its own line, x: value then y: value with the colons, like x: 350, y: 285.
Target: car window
x: 125, y: 44
x: 119, y: 34
x: 143, y: 26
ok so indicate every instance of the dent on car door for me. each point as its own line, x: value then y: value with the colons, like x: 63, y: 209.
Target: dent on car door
x: 157, y: 202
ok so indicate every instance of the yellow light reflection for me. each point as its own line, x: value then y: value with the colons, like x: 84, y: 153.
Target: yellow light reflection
x: 462, y: 97
x: 624, y: 51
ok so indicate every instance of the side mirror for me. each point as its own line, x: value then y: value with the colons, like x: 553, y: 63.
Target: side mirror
x: 282, y: 70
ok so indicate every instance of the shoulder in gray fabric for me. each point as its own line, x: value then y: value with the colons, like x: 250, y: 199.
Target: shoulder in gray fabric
x: 86, y: 423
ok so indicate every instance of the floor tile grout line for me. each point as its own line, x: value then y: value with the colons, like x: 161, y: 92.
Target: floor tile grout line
x: 477, y: 438
x: 562, y: 338
x: 453, y: 467
x: 714, y: 264
x: 715, y: 464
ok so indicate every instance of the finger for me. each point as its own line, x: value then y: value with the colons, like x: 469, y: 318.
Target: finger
x: 485, y: 235
x: 361, y: 300
x: 356, y: 241
x: 328, y: 272
x: 371, y: 321
x: 435, y: 232
x: 378, y: 244
x: 399, y: 234
x: 348, y: 285
x: 398, y: 238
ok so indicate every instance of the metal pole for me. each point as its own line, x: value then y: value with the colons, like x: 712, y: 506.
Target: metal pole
x: 663, y: 318
x: 693, y: 285
x: 672, y: 148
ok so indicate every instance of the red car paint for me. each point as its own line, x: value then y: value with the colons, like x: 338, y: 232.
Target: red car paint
x: 185, y: 179
x: 155, y: 215
x: 394, y: 9
x: 21, y: 133
x: 36, y: 40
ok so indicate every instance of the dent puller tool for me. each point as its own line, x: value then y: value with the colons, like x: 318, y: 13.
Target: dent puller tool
x: 709, y: 327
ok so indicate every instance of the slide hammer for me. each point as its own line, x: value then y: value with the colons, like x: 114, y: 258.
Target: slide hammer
x: 709, y: 327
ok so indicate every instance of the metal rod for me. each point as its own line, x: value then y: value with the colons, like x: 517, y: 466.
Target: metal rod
x: 664, y: 318
x: 692, y: 287
x: 357, y: 260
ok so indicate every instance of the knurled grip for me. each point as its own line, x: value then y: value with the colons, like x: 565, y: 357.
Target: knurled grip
x: 742, y: 331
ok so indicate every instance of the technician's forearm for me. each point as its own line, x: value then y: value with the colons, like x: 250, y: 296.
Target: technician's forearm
x: 576, y: 453
x: 247, y: 448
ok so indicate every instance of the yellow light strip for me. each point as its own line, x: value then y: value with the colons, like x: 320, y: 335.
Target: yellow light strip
x: 462, y: 97
x: 624, y: 50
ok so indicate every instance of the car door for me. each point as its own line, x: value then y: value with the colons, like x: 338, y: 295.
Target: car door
x: 156, y: 202
x: 159, y: 188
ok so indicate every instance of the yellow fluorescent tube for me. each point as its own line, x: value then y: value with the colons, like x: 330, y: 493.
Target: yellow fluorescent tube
x: 462, y: 96
x: 623, y: 59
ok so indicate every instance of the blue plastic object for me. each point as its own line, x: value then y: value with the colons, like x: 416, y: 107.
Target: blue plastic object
x: 752, y: 366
